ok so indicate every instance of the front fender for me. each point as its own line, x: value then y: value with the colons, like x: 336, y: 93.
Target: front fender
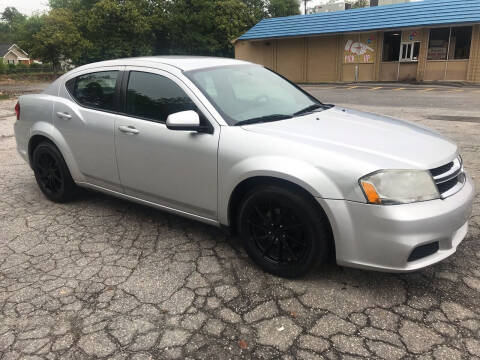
x: 299, y: 172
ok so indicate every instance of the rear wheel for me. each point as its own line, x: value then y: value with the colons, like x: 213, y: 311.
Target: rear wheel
x: 52, y: 174
x: 282, y: 231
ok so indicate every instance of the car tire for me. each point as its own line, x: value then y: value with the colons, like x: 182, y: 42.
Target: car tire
x: 283, y: 231
x: 52, y: 174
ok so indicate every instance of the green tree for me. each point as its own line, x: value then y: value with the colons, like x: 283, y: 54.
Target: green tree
x: 257, y: 9
x: 10, y: 20
x: 72, y: 5
x: 24, y: 34
x: 11, y: 15
x: 206, y: 27
x: 53, y: 38
x: 119, y: 28
x: 278, y: 8
x: 5, y: 35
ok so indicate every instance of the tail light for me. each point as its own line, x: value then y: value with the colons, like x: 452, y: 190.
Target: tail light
x: 17, y: 110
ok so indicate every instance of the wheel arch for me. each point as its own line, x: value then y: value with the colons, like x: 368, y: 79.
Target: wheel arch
x: 38, y: 135
x: 34, y: 141
x: 246, y: 185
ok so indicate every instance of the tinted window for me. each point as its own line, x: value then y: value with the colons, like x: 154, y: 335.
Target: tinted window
x: 438, y: 44
x: 460, y: 43
x: 155, y: 97
x: 96, y: 90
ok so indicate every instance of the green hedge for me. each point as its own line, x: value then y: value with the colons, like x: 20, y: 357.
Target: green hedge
x: 6, y: 69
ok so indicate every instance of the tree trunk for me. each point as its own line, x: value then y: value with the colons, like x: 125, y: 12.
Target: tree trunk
x: 55, y: 72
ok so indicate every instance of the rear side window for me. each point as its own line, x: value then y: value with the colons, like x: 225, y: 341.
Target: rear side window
x: 154, y: 97
x: 96, y: 90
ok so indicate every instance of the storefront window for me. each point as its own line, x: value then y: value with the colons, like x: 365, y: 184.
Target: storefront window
x: 391, y: 45
x: 438, y: 44
x: 460, y: 43
x: 439, y: 49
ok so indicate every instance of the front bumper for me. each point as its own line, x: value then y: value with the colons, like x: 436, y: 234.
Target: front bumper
x: 380, y: 237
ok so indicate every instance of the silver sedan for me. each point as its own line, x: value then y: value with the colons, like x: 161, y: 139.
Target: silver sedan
x: 233, y: 144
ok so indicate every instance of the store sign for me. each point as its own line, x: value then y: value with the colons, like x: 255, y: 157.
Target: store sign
x: 437, y: 53
x: 361, y: 51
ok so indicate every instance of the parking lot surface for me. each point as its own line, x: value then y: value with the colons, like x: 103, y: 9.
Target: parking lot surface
x: 105, y: 278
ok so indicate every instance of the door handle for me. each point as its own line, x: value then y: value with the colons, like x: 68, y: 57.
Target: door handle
x: 128, y: 129
x: 65, y: 116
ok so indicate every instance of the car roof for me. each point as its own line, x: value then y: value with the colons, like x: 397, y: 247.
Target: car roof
x: 183, y: 63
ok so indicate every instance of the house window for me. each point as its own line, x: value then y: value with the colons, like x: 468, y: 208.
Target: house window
x: 440, y: 48
x: 409, y: 51
x: 391, y: 45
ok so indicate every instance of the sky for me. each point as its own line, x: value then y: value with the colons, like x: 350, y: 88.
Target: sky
x: 25, y: 6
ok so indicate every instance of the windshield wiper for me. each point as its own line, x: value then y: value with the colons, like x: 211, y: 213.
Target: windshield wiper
x: 263, y: 119
x: 311, y: 108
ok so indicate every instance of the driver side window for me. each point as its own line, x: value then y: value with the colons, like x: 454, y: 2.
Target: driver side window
x: 154, y: 97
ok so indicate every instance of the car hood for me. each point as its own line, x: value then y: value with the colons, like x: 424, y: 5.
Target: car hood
x: 355, y: 133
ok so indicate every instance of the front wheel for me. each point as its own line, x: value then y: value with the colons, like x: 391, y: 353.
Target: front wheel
x: 52, y: 174
x: 282, y: 230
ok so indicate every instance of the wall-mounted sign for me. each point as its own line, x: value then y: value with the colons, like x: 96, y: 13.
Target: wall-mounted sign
x: 437, y: 53
x: 361, y: 50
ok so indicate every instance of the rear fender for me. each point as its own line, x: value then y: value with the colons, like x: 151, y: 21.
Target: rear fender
x: 50, y: 132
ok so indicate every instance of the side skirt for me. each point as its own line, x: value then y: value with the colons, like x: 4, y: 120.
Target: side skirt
x: 149, y: 203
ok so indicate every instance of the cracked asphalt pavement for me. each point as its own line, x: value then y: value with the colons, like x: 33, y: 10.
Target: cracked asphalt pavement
x: 105, y: 278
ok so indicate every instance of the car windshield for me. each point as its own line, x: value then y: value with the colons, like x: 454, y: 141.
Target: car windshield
x: 247, y: 94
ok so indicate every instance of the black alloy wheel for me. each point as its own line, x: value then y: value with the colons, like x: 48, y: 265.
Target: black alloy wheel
x: 49, y: 174
x: 282, y: 231
x: 277, y: 232
x: 52, y: 174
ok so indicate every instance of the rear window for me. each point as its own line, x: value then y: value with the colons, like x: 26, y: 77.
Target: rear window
x: 95, y: 90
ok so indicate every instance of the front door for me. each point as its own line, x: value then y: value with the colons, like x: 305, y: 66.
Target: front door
x: 175, y: 169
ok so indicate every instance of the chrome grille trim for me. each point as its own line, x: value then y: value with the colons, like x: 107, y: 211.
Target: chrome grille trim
x: 455, y: 171
x: 456, y: 167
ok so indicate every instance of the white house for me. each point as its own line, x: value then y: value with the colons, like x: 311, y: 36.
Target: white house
x: 13, y: 54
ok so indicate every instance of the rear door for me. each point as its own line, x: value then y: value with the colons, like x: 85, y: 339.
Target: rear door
x: 85, y: 113
x: 175, y: 169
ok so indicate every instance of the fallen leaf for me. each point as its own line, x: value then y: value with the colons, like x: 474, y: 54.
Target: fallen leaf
x: 242, y: 344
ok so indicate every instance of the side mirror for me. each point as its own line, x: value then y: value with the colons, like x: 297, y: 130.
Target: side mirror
x: 186, y: 121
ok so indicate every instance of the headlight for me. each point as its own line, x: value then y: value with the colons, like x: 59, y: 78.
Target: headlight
x: 398, y: 187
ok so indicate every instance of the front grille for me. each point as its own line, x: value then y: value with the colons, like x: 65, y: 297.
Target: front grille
x: 449, y: 178
x: 442, y: 169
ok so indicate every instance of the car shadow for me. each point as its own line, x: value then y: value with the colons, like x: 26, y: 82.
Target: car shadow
x: 327, y: 273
